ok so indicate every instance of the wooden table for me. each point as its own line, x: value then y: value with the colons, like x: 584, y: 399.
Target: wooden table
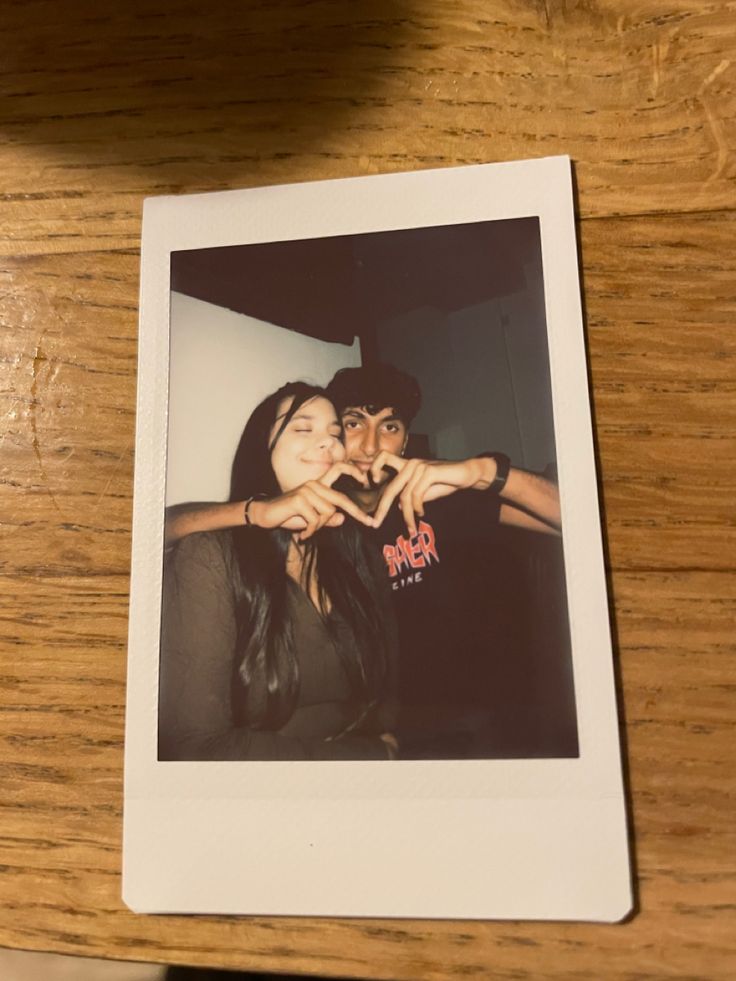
x: 100, y: 109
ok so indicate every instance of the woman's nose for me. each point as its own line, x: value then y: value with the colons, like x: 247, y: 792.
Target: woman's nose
x: 333, y: 446
x: 327, y: 441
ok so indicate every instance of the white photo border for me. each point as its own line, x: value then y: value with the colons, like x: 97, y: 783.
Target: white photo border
x: 506, y: 839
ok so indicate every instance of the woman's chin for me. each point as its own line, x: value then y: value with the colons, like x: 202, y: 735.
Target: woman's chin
x: 317, y: 470
x: 308, y: 471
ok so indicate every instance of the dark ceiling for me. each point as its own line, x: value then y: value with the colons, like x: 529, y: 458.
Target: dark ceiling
x: 337, y: 288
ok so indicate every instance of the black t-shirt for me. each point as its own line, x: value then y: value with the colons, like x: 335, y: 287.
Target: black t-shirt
x: 484, y: 667
x: 448, y: 621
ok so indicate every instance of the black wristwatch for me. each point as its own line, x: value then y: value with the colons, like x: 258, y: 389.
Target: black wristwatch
x: 503, y: 465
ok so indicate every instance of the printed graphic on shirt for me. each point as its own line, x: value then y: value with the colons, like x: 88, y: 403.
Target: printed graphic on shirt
x: 408, y: 556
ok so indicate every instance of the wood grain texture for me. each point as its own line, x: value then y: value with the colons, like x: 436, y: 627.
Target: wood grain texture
x: 100, y: 109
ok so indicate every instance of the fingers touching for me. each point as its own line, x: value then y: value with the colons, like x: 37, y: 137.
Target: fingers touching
x: 344, y: 469
x: 326, y: 506
x: 386, y: 460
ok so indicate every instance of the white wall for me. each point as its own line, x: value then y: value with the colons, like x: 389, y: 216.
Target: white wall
x: 484, y: 375
x: 523, y: 317
x: 222, y: 365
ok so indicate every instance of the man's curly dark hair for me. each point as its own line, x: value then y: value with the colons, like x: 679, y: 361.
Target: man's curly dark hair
x: 374, y: 387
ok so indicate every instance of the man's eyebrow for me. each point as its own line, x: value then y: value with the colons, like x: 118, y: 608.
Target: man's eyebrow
x: 363, y: 413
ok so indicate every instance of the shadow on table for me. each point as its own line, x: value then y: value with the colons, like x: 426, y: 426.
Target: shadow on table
x: 197, y: 93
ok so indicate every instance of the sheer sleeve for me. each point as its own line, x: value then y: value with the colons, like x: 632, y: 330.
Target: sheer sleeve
x: 198, y: 668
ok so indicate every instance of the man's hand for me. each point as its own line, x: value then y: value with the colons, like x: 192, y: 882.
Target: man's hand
x: 419, y: 481
x: 312, y: 505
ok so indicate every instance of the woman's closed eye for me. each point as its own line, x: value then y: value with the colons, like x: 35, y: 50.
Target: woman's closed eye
x: 337, y: 436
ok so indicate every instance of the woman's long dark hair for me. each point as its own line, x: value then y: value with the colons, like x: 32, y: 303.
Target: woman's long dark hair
x: 346, y: 581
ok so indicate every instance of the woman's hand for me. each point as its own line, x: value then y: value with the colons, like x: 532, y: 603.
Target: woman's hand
x: 391, y: 744
x: 312, y: 505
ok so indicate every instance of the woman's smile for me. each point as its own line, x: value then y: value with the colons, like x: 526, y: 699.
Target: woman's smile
x: 324, y: 464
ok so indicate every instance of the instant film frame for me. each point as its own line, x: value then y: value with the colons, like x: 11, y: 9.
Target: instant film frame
x: 484, y: 668
x: 530, y: 838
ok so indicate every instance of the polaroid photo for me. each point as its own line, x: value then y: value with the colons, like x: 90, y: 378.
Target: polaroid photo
x: 370, y: 668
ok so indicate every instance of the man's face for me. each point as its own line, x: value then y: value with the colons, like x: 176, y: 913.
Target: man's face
x: 366, y: 435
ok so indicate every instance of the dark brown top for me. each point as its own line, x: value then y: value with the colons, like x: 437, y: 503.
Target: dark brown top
x: 203, y: 708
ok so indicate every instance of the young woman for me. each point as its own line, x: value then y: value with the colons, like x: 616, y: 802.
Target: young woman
x: 273, y: 646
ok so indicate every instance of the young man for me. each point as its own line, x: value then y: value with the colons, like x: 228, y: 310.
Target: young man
x: 377, y: 405
x: 460, y: 596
